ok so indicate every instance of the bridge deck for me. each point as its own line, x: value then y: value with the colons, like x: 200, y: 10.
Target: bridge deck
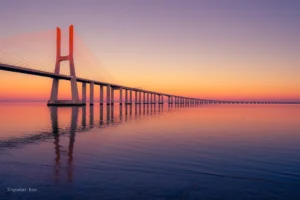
x: 24, y: 70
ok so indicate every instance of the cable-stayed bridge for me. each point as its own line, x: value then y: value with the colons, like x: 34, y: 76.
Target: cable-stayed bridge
x: 142, y: 96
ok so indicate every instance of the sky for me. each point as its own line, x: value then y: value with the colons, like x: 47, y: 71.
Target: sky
x: 226, y: 49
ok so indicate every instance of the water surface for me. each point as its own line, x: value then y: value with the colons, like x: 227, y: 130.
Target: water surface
x: 147, y: 152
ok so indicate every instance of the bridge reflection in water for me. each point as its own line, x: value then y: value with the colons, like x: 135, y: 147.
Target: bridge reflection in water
x: 107, y: 117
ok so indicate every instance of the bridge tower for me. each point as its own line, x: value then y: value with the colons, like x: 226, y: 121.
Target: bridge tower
x: 54, y: 91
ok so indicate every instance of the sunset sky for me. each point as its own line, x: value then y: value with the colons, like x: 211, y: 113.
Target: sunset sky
x: 239, y: 50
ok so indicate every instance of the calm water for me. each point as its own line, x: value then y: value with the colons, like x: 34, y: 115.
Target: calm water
x: 202, y: 152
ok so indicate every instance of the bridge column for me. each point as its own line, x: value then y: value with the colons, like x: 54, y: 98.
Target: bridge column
x: 155, y: 98
x: 84, y: 93
x: 126, y: 96
x: 136, y: 97
x: 121, y: 96
x: 147, y: 97
x: 140, y: 97
x: 108, y: 94
x: 92, y: 93
x: 112, y: 100
x: 130, y: 101
x: 101, y: 94
x: 144, y: 95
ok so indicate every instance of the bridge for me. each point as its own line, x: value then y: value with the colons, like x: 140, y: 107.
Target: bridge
x: 141, y: 96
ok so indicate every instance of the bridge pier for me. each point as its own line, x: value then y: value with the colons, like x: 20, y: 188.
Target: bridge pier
x: 108, y: 95
x: 144, y: 97
x: 101, y: 94
x: 74, y: 90
x: 140, y: 97
x: 121, y: 96
x: 84, y: 93
x: 136, y: 97
x: 130, y: 100
x: 162, y: 99
x: 112, y: 101
x: 92, y: 93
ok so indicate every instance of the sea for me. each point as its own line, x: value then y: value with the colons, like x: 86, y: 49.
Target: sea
x: 149, y: 152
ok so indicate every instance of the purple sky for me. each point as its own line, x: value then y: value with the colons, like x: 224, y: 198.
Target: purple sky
x: 207, y: 45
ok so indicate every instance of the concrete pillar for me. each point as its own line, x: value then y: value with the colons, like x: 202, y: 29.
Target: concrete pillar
x: 84, y: 93
x: 101, y: 94
x: 112, y: 96
x: 108, y: 94
x: 147, y: 98
x: 136, y: 97
x: 126, y: 96
x: 130, y: 101
x: 92, y: 93
x: 140, y: 97
x: 144, y: 97
x: 121, y: 96
x: 155, y: 98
